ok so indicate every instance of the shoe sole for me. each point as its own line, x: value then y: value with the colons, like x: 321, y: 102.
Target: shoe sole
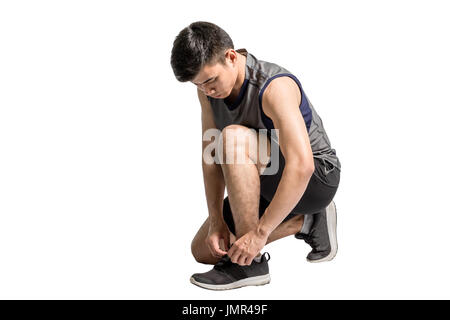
x: 331, y: 226
x: 252, y: 281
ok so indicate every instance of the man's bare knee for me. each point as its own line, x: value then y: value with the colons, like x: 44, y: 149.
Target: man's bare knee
x: 244, y: 143
x: 233, y: 144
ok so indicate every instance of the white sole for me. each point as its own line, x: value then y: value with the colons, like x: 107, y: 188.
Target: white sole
x: 252, y: 281
x: 331, y: 226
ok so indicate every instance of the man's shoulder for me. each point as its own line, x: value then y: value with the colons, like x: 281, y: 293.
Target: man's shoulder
x: 281, y: 87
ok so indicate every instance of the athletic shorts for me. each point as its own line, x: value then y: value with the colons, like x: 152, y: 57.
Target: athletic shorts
x: 320, y: 191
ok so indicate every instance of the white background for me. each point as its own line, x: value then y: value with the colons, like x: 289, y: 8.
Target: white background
x: 101, y: 187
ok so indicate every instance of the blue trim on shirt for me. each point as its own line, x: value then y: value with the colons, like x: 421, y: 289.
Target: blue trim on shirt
x: 304, y: 105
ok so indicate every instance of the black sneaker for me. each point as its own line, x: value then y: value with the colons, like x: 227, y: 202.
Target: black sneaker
x: 228, y: 275
x: 322, y: 237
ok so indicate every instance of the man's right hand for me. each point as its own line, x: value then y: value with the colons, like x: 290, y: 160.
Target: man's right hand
x: 218, y: 230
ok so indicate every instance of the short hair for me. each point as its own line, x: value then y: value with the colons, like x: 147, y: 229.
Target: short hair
x: 199, y: 44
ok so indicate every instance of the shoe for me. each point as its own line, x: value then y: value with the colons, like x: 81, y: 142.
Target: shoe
x: 322, y: 236
x: 228, y: 275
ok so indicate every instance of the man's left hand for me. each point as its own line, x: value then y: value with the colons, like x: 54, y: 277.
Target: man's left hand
x: 247, y: 247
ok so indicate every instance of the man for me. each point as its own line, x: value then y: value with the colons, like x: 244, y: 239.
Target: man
x: 243, y: 97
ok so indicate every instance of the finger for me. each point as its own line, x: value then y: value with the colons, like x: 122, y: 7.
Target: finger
x: 233, y: 254
x: 217, y: 249
x: 235, y: 258
x: 223, y: 244
x: 241, y: 259
x: 212, y: 249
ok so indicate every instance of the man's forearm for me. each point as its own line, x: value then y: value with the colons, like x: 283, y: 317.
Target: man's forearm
x: 290, y: 190
x: 214, y: 189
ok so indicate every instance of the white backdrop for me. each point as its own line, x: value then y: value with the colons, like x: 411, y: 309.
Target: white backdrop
x: 101, y: 187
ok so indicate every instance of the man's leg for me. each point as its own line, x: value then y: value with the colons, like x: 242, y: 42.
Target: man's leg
x: 287, y: 228
x: 242, y: 181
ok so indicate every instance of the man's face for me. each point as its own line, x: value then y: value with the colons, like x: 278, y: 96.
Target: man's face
x: 218, y: 80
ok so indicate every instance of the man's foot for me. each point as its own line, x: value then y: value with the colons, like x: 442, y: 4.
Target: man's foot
x: 322, y: 236
x: 228, y: 275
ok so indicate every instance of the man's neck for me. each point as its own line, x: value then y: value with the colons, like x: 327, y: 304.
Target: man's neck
x: 240, y: 78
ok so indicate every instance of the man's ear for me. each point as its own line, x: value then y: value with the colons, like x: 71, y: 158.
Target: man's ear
x: 231, y: 55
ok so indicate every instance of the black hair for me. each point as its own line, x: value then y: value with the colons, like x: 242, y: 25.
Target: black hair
x: 199, y: 44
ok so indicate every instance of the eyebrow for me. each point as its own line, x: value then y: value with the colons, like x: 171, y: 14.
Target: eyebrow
x: 205, y: 81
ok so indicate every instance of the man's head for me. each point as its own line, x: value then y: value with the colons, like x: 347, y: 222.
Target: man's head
x: 204, y: 54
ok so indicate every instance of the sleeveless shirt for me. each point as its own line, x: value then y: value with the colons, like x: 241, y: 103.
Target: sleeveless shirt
x: 247, y: 108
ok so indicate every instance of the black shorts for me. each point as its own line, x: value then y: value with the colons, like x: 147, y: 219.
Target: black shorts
x: 318, y: 194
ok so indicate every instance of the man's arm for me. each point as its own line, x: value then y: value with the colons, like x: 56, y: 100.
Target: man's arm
x: 280, y: 103
x: 212, y: 173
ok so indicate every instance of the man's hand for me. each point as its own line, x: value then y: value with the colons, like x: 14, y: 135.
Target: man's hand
x: 218, y: 230
x: 247, y: 247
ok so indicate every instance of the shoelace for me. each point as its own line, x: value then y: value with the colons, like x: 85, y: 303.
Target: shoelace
x: 222, y: 263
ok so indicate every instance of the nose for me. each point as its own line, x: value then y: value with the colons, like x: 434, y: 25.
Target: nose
x: 206, y: 90
x: 210, y: 92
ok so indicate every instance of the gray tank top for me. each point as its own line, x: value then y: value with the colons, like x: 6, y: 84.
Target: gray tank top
x: 247, y: 109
